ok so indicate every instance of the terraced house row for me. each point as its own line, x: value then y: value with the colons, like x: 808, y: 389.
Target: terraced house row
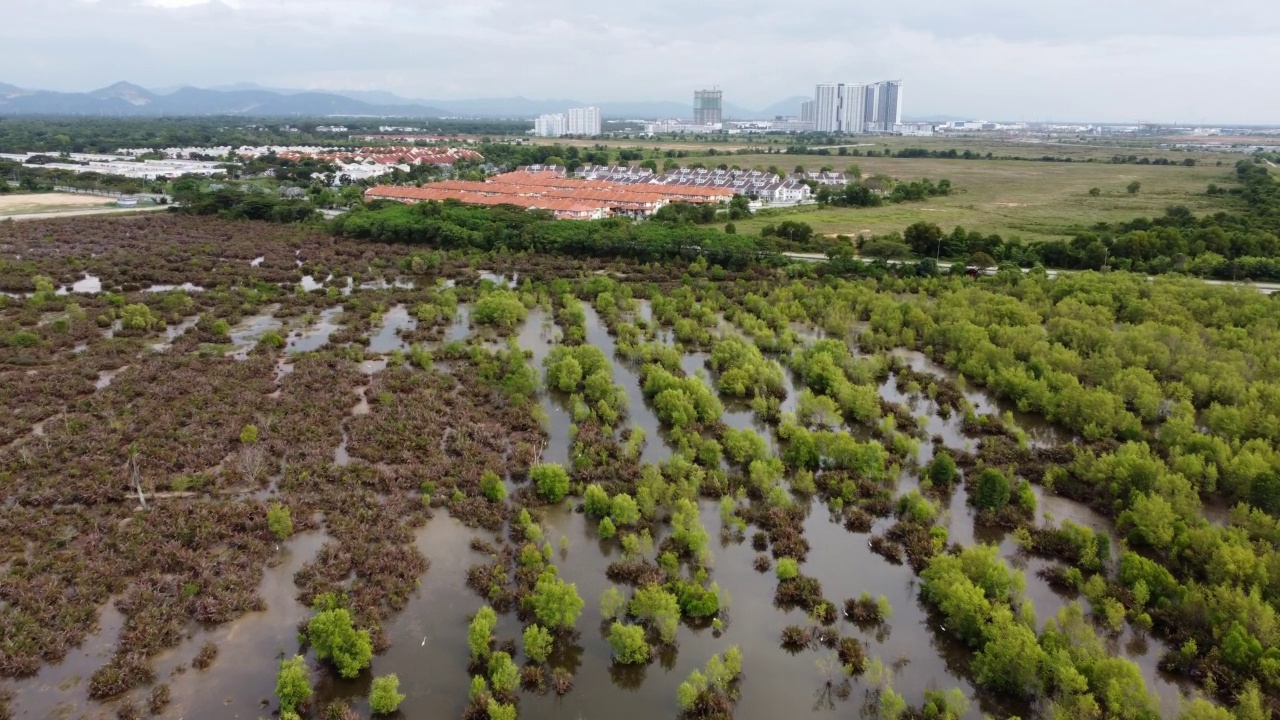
x: 567, y: 198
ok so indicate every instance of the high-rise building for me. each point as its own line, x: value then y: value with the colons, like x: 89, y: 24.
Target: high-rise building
x: 808, y: 111
x: 852, y: 100
x: 870, y: 107
x: 708, y: 106
x: 578, y: 121
x: 826, y: 107
x: 889, y: 112
x: 838, y: 108
x: 583, y: 121
x: 553, y: 125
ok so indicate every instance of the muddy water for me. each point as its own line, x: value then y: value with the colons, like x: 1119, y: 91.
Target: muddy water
x: 62, y: 690
x: 460, y: 328
x: 317, y: 336
x: 173, y: 332
x: 249, y: 649
x: 638, y: 413
x: 429, y: 637
x: 388, y: 339
x: 1039, y: 431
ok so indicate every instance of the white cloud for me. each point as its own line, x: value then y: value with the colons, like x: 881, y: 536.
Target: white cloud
x: 1087, y: 59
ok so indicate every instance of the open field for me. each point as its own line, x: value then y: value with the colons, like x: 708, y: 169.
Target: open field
x: 31, y: 203
x: 1077, y: 148
x: 1013, y: 198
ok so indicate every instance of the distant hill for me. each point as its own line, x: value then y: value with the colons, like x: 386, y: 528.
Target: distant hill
x: 251, y: 99
x: 127, y: 99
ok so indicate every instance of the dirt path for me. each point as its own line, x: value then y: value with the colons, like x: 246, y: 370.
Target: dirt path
x: 76, y: 213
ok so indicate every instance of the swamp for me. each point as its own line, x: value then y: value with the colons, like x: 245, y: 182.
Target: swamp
x: 256, y: 470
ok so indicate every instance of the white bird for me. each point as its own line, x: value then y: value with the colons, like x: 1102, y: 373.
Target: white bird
x: 424, y: 641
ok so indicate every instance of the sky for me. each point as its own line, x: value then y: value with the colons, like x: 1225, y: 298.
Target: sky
x: 1037, y: 60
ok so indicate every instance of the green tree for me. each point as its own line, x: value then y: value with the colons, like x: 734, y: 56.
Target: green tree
x: 942, y: 471
x: 501, y: 711
x: 551, y: 480
x: 612, y: 604
x: 1010, y: 660
x: 1134, y: 187
x: 503, y: 673
x: 607, y: 529
x: 480, y: 632
x: 629, y: 646
x: 787, y: 568
x: 659, y: 609
x: 595, y: 501
x: 279, y: 520
x: 335, y: 638
x: 537, y: 643
x: 492, y: 487
x: 385, y: 697
x: 1095, y: 192
x: 991, y: 491
x: 556, y: 602
x: 293, y: 685
x: 624, y: 510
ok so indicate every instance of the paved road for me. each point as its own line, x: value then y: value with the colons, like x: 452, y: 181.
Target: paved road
x: 1266, y: 288
x: 78, y: 213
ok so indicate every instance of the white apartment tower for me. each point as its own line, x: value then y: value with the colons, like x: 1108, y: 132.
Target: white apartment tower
x: 808, y: 111
x: 578, y: 121
x: 583, y: 121
x: 550, y: 125
x: 838, y: 108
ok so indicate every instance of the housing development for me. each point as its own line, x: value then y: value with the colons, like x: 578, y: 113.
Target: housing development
x: 567, y: 198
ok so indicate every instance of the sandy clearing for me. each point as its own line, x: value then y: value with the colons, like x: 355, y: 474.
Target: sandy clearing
x: 12, y: 204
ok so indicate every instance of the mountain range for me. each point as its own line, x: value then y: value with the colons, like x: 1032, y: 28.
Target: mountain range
x: 248, y: 99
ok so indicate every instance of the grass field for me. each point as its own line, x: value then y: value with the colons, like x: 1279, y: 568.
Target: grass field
x: 1077, y: 148
x: 1032, y: 200
x: 27, y: 204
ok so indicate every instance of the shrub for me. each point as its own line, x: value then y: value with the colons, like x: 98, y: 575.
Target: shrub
x: 629, y: 646
x: 24, y: 339
x: 607, y: 529
x: 942, y: 471
x: 659, y: 608
x: 787, y: 569
x: 555, y: 602
x: 335, y: 638
x: 596, y: 501
x: 504, y: 676
x: 280, y: 520
x: 992, y: 490
x: 537, y: 643
x: 293, y: 686
x: 501, y: 308
x: 492, y: 487
x: 501, y: 711
x: 249, y: 434
x: 385, y: 698
x: 551, y: 480
x: 480, y: 632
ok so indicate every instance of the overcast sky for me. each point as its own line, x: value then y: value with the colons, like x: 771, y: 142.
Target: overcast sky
x: 1113, y: 60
